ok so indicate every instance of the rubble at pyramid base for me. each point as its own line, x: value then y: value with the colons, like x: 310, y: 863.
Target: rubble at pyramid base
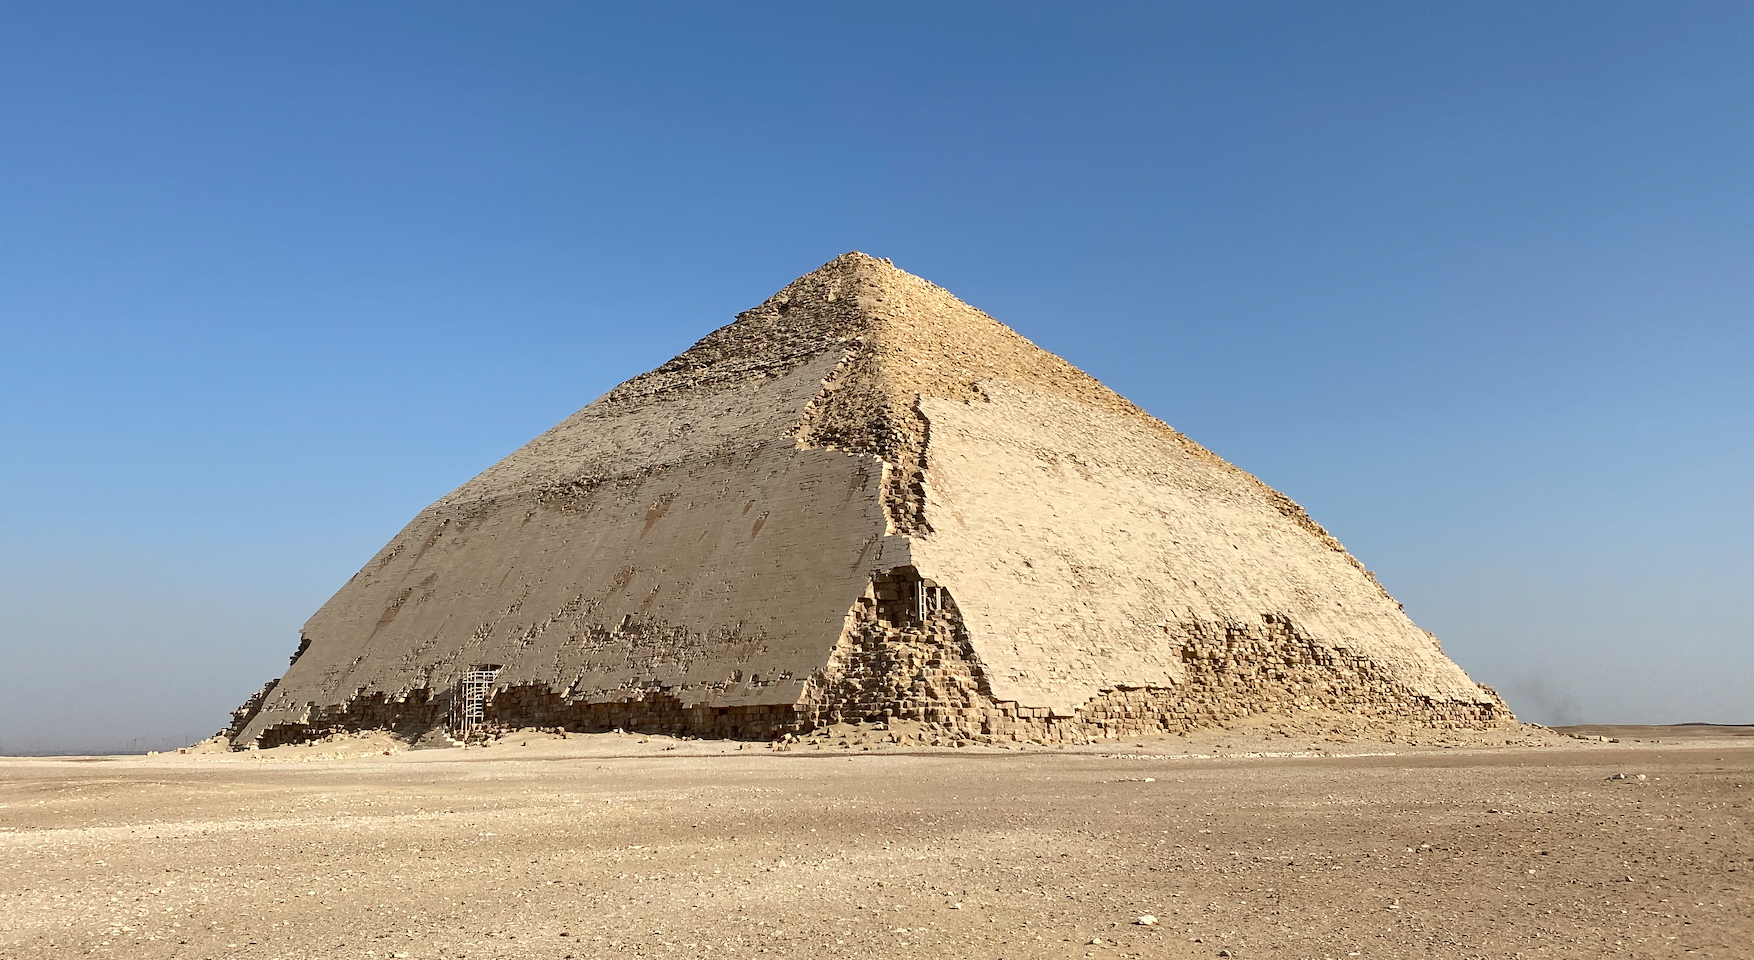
x: 1118, y: 713
x: 905, y: 656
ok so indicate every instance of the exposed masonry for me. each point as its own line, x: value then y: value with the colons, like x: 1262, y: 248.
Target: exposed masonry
x: 578, y: 705
x: 905, y: 655
x: 242, y: 716
x: 891, y: 430
x: 902, y: 656
x: 410, y: 716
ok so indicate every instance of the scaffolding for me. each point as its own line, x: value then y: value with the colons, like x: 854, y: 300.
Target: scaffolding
x: 905, y: 599
x: 469, y: 704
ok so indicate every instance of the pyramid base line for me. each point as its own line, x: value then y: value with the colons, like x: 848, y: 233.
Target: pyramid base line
x: 1120, y: 713
x: 905, y: 656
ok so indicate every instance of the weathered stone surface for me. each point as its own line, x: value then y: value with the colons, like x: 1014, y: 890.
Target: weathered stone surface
x: 863, y: 498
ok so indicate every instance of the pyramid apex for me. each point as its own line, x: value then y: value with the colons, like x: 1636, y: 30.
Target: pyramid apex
x: 860, y: 256
x: 855, y: 261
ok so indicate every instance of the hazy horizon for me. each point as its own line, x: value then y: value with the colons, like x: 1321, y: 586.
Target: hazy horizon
x: 1469, y: 284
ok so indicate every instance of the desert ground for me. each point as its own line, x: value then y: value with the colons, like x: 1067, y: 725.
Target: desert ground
x: 1253, y: 842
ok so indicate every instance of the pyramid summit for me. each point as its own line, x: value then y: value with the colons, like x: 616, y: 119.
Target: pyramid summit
x: 862, y: 500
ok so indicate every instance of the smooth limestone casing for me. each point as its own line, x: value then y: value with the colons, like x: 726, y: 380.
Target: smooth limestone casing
x: 1081, y: 544
x: 702, y: 531
x: 720, y: 567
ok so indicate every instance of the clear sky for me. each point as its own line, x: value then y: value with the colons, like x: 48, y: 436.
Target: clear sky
x: 1474, y: 283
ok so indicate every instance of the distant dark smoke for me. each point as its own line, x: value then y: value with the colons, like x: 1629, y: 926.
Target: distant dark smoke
x: 1540, y: 700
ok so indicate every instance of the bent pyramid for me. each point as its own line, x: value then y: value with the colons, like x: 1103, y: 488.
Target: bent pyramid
x: 863, y: 499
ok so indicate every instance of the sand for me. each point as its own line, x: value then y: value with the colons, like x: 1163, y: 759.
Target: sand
x: 1244, y: 843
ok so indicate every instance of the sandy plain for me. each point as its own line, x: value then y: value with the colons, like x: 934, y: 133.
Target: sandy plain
x: 1249, y: 843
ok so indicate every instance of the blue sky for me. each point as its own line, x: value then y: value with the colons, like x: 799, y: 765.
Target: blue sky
x: 1472, y: 283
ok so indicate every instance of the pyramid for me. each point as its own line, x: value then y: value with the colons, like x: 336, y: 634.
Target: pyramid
x: 863, y: 500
